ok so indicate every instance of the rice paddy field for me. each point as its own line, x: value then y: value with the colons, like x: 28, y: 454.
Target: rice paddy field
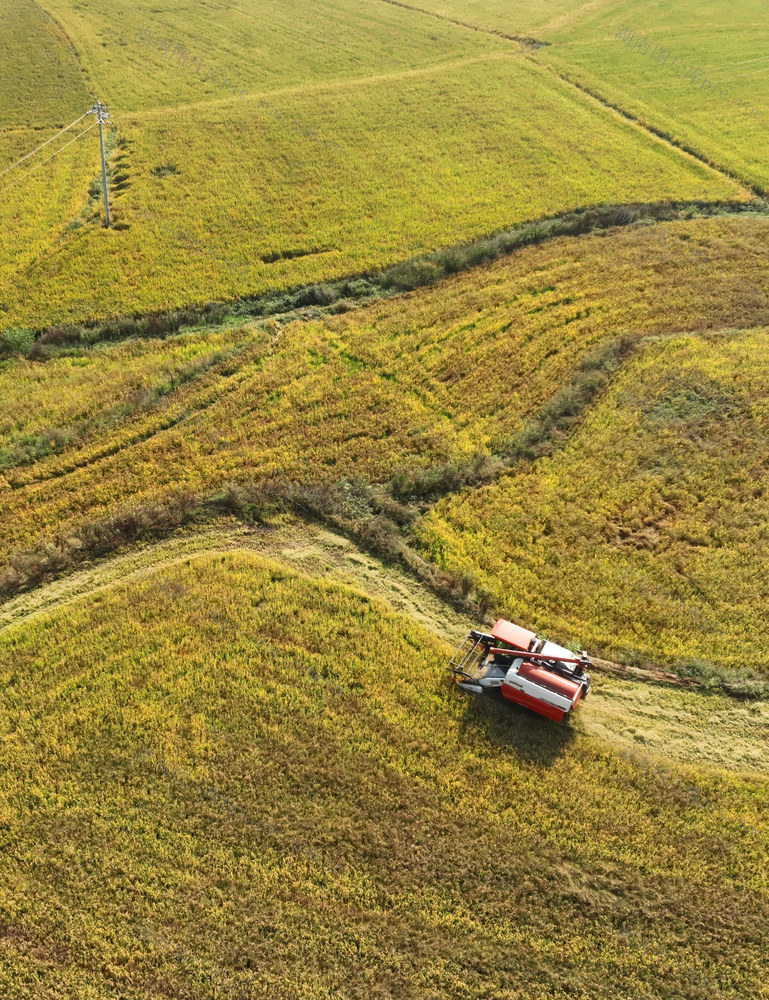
x: 258, y: 783
x: 696, y: 72
x: 389, y: 164
x: 410, y: 316
x: 362, y: 394
x: 708, y: 88
x: 31, y: 38
x: 659, y: 502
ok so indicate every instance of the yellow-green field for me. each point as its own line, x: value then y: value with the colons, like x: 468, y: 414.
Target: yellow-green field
x: 528, y: 16
x: 419, y: 169
x: 187, y: 809
x: 77, y: 399
x: 649, y: 530
x: 260, y: 48
x: 727, y: 50
x: 32, y: 40
x: 253, y: 494
x: 724, y: 120
x: 443, y: 375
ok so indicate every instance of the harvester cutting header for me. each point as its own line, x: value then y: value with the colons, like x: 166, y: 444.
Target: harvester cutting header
x: 530, y: 671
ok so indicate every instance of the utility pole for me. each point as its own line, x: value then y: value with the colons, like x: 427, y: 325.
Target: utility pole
x: 101, y: 116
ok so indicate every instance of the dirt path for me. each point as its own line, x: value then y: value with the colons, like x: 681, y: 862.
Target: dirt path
x: 304, y: 547
x: 664, y: 718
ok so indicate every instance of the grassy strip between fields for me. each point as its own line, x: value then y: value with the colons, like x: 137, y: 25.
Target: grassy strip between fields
x: 341, y: 296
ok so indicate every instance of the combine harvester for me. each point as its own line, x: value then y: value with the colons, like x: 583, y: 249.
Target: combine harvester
x: 530, y: 671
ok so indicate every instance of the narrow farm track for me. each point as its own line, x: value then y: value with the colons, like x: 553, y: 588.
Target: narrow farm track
x: 303, y: 546
x: 320, y: 87
x: 575, y: 15
x: 629, y: 708
x: 521, y: 39
x: 684, y: 151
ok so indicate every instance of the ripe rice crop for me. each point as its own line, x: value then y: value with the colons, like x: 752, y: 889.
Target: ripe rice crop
x: 85, y: 396
x: 422, y: 170
x: 439, y: 350
x: 527, y: 16
x: 184, y: 58
x: 723, y: 124
x: 726, y: 50
x: 268, y: 48
x: 31, y: 40
x: 698, y: 79
x: 393, y: 389
x: 633, y: 539
x: 279, y: 818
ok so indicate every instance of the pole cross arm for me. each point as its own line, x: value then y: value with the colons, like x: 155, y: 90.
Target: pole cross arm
x: 100, y: 111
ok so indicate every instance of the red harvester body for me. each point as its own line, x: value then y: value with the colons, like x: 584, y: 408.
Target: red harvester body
x: 527, y: 670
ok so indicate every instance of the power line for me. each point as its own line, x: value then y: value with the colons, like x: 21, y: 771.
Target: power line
x: 742, y: 63
x: 43, y: 144
x: 24, y: 176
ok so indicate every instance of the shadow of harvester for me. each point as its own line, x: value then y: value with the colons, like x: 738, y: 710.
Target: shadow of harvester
x: 493, y: 719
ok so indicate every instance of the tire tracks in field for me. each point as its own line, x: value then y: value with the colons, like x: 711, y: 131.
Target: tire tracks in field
x: 247, y: 353
x: 574, y: 15
x: 525, y: 40
x: 231, y: 382
x: 318, y: 87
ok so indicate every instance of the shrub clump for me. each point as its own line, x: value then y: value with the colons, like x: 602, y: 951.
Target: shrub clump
x: 16, y: 340
x: 316, y: 295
